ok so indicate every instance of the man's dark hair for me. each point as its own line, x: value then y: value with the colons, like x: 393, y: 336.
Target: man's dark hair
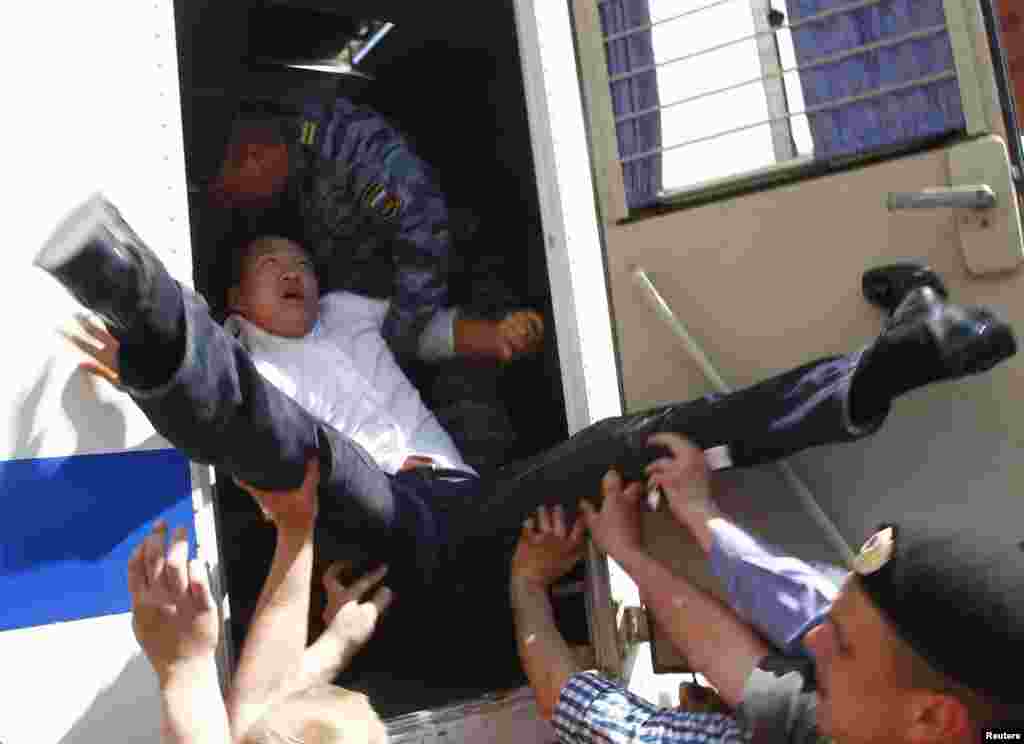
x: 281, y: 222
x: 234, y: 241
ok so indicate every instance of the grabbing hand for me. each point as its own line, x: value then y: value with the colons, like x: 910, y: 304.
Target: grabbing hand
x: 93, y: 340
x: 546, y: 550
x: 520, y: 333
x: 290, y: 510
x: 347, y: 617
x: 683, y: 476
x: 616, y: 527
x: 173, y: 613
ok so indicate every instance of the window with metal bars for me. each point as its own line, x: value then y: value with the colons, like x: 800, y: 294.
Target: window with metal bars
x: 708, y: 90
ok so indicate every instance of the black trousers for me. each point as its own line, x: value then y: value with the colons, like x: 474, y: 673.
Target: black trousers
x: 219, y: 410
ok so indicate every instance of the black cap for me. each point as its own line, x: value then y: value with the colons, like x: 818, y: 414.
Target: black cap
x: 956, y: 597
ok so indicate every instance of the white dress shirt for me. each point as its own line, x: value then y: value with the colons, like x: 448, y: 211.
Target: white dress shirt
x: 343, y: 373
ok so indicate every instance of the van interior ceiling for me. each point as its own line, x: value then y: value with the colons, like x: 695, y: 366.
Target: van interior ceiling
x: 449, y: 77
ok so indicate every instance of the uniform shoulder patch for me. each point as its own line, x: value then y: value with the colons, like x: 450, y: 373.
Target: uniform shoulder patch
x: 378, y: 199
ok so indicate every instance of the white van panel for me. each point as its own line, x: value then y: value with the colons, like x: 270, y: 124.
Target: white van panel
x: 92, y: 105
x: 77, y: 681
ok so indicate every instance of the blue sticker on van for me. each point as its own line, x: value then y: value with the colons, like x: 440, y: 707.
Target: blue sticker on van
x: 70, y: 524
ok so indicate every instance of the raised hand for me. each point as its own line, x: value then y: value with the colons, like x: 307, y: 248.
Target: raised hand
x: 347, y: 616
x: 615, y: 527
x: 547, y: 550
x: 290, y: 510
x: 174, y: 616
x: 683, y: 477
x: 92, y: 339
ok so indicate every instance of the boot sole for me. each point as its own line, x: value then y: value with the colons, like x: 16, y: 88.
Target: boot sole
x: 73, y: 233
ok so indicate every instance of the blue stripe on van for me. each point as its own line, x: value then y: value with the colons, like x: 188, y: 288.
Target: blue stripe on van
x: 69, y: 525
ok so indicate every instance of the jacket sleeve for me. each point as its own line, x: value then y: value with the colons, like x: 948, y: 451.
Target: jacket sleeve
x: 781, y: 596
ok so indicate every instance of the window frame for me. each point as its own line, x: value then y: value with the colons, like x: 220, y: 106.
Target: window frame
x: 982, y: 97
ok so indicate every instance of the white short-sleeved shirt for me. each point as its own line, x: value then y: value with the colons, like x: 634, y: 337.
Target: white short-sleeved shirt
x: 344, y: 374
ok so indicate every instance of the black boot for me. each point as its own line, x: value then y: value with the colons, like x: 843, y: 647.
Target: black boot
x: 102, y: 262
x: 927, y: 340
x: 887, y: 286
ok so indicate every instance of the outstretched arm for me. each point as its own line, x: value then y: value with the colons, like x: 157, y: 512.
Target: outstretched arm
x: 451, y: 334
x: 711, y: 636
x: 546, y: 551
x: 275, y: 662
x: 778, y: 594
x: 350, y: 621
x: 273, y: 649
x: 175, y: 621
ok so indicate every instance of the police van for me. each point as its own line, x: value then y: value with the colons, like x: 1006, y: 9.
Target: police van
x: 690, y: 190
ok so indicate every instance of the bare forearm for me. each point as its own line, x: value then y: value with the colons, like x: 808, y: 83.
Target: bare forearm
x: 714, y: 640
x: 697, y: 519
x: 192, y: 706
x: 322, y: 662
x: 546, y: 657
x: 274, y: 645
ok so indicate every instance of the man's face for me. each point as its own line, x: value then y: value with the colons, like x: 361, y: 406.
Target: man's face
x: 860, y: 698
x: 277, y: 290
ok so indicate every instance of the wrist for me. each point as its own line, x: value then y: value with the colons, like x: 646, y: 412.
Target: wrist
x: 621, y: 551
x: 629, y: 556
x: 184, y: 673
x: 296, y: 533
x: 523, y: 584
x: 696, y: 513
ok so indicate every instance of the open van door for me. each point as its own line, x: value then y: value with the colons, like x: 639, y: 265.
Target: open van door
x: 785, y: 173
x: 95, y: 105
x: 92, y: 104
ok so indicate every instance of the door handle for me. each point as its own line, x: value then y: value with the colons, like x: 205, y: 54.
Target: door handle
x: 980, y: 196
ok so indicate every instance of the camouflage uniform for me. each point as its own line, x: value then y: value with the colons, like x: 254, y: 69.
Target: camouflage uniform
x: 373, y: 215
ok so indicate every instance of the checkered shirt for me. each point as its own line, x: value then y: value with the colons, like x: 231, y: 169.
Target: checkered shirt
x: 594, y: 709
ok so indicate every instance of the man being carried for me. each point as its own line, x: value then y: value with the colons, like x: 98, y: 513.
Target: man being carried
x: 327, y: 353
x: 202, y: 391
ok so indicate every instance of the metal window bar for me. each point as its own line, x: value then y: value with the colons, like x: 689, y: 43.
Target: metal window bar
x: 664, y: 311
x: 838, y: 103
x: 819, y: 62
x: 824, y: 15
x: 769, y: 58
x: 648, y: 26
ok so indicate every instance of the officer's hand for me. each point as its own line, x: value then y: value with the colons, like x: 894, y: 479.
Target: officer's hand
x: 173, y: 613
x: 516, y: 335
x: 92, y: 339
x: 520, y: 334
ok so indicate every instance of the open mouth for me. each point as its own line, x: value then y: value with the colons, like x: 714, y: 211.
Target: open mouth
x: 293, y: 295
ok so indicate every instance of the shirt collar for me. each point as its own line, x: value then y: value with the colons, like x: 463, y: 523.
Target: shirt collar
x: 252, y: 336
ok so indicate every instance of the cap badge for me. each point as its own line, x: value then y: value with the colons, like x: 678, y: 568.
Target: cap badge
x: 876, y: 552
